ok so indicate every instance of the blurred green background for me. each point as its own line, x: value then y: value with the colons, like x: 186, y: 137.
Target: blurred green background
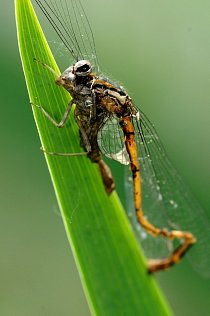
x: 160, y: 51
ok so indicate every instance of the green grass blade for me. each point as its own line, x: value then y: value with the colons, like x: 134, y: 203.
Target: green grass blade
x: 108, y: 258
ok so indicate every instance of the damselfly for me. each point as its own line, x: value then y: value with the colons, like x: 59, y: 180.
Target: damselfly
x: 110, y: 124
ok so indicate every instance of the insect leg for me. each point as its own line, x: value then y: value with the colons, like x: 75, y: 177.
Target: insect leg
x: 48, y: 67
x: 49, y: 117
x: 63, y: 154
x: 94, y: 154
x: 186, y: 237
x: 59, y: 125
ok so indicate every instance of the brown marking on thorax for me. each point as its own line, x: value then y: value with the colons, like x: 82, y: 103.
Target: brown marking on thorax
x: 111, y: 98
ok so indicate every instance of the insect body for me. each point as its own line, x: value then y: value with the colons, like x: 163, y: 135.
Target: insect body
x: 98, y: 101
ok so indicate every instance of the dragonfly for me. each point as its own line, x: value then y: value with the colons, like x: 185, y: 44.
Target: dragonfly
x: 164, y: 214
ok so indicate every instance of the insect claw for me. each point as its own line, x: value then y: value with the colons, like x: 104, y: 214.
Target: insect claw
x: 36, y: 105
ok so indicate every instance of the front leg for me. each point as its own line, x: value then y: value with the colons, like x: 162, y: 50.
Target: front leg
x: 49, y: 117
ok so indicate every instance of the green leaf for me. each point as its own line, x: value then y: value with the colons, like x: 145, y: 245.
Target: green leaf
x: 111, y: 266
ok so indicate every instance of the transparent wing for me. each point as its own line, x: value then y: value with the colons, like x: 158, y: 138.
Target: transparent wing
x: 111, y: 141
x: 70, y: 22
x: 166, y: 200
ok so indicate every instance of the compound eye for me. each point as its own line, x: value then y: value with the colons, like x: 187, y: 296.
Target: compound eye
x: 82, y: 68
